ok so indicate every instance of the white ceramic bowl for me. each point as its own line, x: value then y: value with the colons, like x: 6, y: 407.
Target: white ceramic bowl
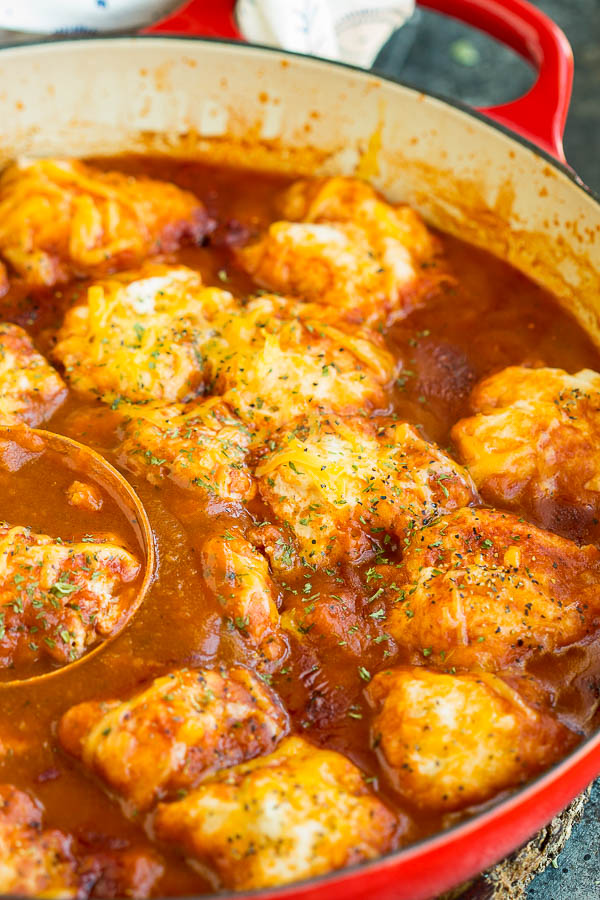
x: 64, y: 16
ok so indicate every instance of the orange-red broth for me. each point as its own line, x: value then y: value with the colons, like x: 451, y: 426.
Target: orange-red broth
x: 493, y: 317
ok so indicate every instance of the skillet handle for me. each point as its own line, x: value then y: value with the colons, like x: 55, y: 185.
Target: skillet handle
x: 539, y: 115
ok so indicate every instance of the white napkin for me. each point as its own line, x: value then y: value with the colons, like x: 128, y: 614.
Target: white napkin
x: 353, y: 31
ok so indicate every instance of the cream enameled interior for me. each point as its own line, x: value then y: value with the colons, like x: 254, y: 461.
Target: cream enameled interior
x: 262, y: 108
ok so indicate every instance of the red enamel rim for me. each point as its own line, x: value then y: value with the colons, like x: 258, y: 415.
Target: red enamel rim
x: 539, y: 116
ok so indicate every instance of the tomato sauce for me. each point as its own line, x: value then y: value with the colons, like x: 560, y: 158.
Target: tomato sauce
x: 490, y: 318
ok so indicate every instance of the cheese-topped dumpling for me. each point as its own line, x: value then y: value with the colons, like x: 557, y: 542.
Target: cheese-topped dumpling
x: 34, y: 861
x: 139, y: 336
x: 332, y: 264
x: 345, y: 247
x: 482, y: 588
x: 271, y: 363
x: 62, y: 218
x: 30, y: 389
x: 296, y: 813
x: 344, y: 199
x: 173, y: 734
x: 534, y: 444
x: 42, y: 862
x: 450, y: 741
x: 339, y: 482
x: 238, y: 576
x: 201, y: 445
x: 58, y: 598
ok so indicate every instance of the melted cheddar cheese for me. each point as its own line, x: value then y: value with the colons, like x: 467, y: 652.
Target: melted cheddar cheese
x: 294, y: 814
x: 343, y: 246
x: 341, y: 482
x: 482, y: 588
x: 176, y: 732
x: 140, y: 335
x: 30, y: 389
x: 450, y: 741
x: 270, y: 363
x: 62, y: 218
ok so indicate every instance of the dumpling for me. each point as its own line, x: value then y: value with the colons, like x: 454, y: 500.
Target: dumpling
x: 484, y: 589
x: 43, y: 862
x: 238, y: 577
x: 271, y: 363
x: 139, y: 336
x: 340, y: 482
x: 30, y: 389
x: 296, y: 813
x: 202, y: 445
x: 342, y: 246
x: 534, y: 444
x: 61, y: 219
x: 449, y: 741
x: 34, y: 861
x: 174, y: 733
x: 59, y: 598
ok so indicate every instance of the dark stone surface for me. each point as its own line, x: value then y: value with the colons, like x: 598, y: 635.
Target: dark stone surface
x: 575, y: 874
x: 480, y: 71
